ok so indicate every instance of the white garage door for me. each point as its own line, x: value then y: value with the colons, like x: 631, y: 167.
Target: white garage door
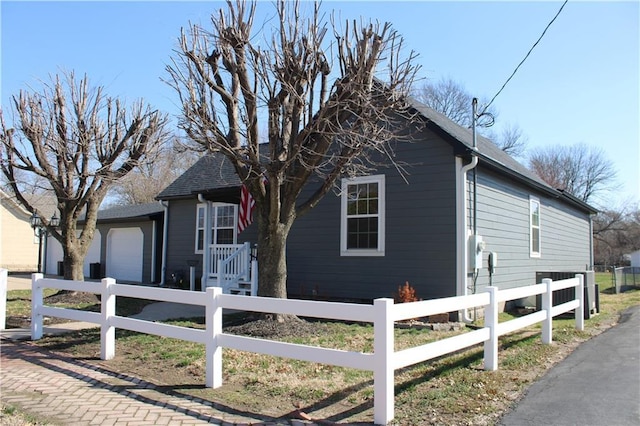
x: 55, y: 254
x: 124, y: 254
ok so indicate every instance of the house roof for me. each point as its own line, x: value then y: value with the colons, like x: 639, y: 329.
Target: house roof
x: 209, y: 172
x: 215, y: 172
x: 490, y: 154
x: 122, y: 213
x: 45, y: 204
x: 13, y: 203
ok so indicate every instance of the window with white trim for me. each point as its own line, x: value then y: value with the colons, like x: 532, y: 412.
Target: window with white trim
x: 223, y: 224
x: 534, y: 227
x: 362, y: 221
x: 200, y: 224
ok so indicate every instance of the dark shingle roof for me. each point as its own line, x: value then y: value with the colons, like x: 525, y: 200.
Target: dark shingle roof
x: 486, y: 148
x: 215, y: 172
x: 209, y: 172
x: 121, y: 213
x: 491, y: 155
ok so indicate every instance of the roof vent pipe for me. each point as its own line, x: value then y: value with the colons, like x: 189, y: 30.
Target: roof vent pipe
x: 474, y: 122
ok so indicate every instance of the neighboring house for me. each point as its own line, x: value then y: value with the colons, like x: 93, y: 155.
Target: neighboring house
x: 635, y: 259
x: 433, y: 227
x: 18, y: 244
x: 127, y: 245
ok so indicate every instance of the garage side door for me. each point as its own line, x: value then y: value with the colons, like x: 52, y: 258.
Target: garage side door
x: 124, y: 254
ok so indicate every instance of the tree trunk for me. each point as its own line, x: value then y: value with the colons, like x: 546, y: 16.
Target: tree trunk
x: 272, y: 260
x: 73, y: 267
x: 272, y: 265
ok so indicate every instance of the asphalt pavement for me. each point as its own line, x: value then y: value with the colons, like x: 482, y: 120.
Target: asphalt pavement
x: 597, y: 384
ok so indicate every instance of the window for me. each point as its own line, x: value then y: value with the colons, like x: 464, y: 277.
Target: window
x: 534, y: 222
x: 224, y: 220
x: 200, y: 227
x: 362, y: 216
x: 223, y: 224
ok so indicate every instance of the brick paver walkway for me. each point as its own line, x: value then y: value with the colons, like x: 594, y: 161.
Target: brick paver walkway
x: 70, y: 391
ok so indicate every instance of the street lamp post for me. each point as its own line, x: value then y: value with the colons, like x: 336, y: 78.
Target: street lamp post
x: 40, y: 231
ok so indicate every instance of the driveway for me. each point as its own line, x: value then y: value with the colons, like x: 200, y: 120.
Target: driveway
x: 597, y: 384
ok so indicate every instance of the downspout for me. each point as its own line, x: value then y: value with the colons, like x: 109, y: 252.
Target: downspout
x: 591, y: 265
x: 462, y: 227
x: 165, y: 232
x: 462, y: 219
x: 206, y: 266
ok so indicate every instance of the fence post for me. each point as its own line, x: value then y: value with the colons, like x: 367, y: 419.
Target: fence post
x: 254, y: 277
x: 547, y: 305
x: 3, y: 298
x: 580, y: 309
x: 36, y: 304
x: 107, y: 310
x: 383, y: 342
x: 213, y: 320
x: 491, y: 322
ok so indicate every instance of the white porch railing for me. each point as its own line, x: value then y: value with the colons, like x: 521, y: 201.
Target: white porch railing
x: 383, y: 361
x: 234, y: 268
x: 218, y: 252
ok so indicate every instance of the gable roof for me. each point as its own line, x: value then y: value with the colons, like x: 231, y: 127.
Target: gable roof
x: 215, y: 172
x: 490, y: 155
x: 45, y: 204
x: 209, y: 172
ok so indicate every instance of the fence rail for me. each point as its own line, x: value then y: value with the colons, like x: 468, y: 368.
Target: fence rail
x: 383, y: 313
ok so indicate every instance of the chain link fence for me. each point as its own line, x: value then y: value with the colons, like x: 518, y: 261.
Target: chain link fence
x: 626, y: 278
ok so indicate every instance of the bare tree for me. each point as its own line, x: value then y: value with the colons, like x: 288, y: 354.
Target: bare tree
x: 452, y: 99
x: 616, y: 232
x: 80, y: 142
x: 448, y: 97
x: 582, y: 170
x: 145, y: 182
x: 511, y: 140
x: 327, y: 107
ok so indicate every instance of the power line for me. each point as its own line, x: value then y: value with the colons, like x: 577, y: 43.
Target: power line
x: 525, y: 57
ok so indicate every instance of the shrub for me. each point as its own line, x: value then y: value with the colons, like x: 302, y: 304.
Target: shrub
x: 405, y: 294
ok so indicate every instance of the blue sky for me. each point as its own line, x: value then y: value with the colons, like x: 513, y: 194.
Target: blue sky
x: 580, y: 84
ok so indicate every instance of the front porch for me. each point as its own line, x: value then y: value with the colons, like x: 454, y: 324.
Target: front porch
x: 232, y: 267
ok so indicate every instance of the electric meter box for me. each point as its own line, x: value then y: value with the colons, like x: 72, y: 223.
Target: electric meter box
x: 476, y: 247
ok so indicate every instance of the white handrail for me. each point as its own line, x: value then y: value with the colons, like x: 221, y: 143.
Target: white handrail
x: 234, y: 267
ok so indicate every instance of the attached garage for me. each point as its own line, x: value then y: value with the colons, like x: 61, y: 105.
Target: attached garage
x: 125, y: 254
x: 54, y: 254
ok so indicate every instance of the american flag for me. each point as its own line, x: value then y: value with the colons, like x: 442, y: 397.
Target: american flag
x: 247, y: 205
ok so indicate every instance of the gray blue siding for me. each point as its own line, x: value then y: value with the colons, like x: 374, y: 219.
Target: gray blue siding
x: 420, y: 234
x: 503, y: 221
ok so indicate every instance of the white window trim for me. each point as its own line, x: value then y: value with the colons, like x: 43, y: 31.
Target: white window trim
x: 213, y: 205
x: 380, y: 180
x: 532, y: 201
x: 207, y: 210
x: 200, y: 206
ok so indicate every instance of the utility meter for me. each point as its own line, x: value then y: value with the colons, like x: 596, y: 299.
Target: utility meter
x: 476, y: 247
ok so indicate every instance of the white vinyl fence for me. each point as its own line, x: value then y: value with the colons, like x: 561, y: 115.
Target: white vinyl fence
x: 382, y: 313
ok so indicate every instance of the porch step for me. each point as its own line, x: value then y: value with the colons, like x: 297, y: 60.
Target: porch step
x: 242, y: 288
